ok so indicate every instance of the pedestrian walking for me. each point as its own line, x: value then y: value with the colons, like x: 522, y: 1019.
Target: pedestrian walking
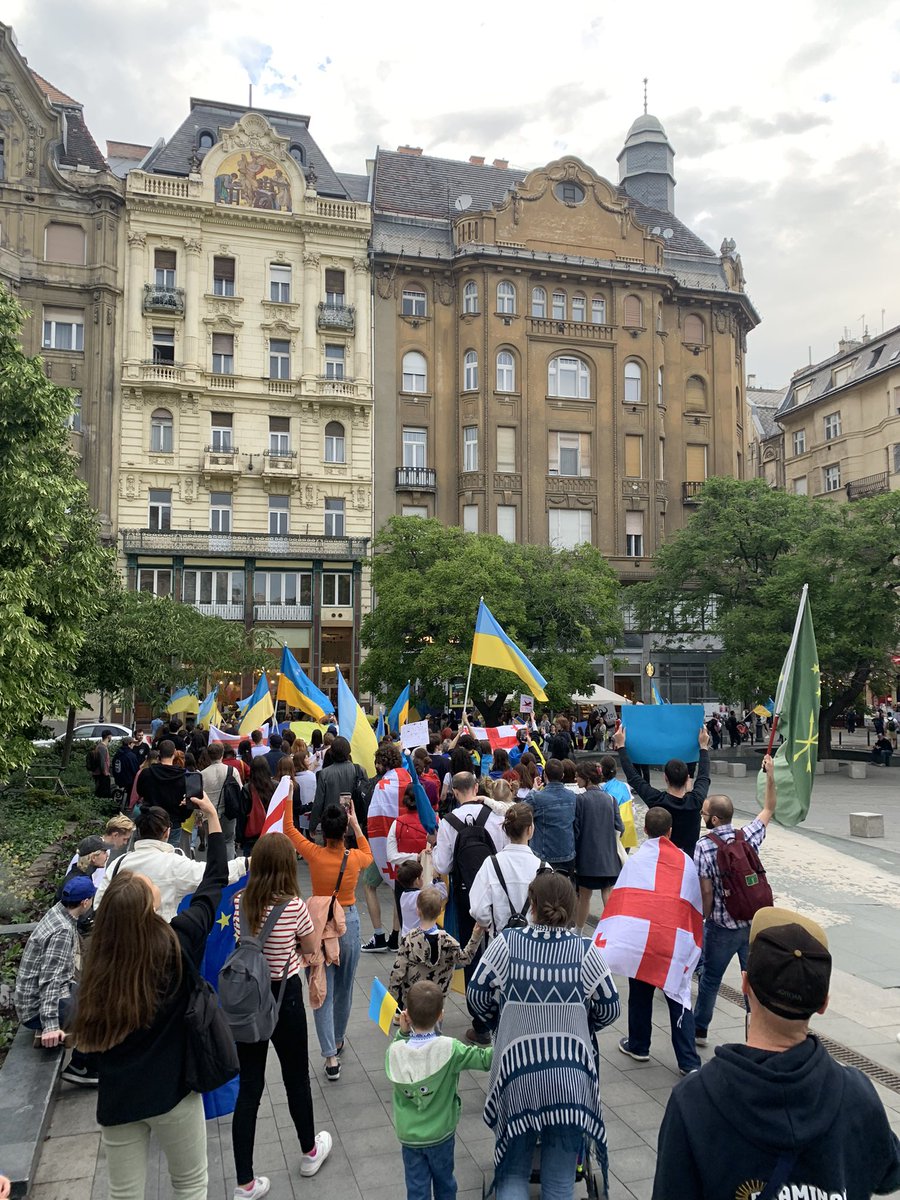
x: 597, y: 826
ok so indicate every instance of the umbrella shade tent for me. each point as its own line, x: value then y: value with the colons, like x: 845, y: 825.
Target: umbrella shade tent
x: 601, y: 695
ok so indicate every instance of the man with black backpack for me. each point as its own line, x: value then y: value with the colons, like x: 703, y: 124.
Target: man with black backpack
x: 222, y: 784
x: 733, y: 888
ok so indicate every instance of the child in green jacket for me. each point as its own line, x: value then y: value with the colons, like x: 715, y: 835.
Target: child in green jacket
x: 424, y: 1068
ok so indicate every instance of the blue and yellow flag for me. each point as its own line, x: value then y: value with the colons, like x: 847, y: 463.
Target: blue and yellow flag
x: 379, y: 728
x: 355, y: 727
x: 399, y: 714
x: 492, y: 648
x: 259, y: 708
x: 297, y: 689
x: 184, y: 700
x: 209, y: 711
x: 382, y: 1006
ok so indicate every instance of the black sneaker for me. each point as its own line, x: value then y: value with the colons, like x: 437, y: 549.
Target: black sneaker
x: 393, y: 942
x: 376, y: 942
x: 80, y: 1075
x: 333, y: 1074
x: 701, y: 1036
x: 624, y: 1047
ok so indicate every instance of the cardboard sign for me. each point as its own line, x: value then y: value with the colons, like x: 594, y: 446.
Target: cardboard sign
x: 414, y: 734
x: 655, y: 733
x: 526, y: 704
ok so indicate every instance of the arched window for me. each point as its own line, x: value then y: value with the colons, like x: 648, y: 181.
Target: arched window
x: 558, y: 306
x: 598, y: 310
x: 470, y: 371
x: 415, y: 372
x: 413, y: 302
x: 162, y: 432
x: 634, y: 382
x: 335, y: 444
x: 506, y: 298
x: 538, y: 302
x: 506, y: 372
x: 205, y: 140
x: 296, y: 153
x: 470, y: 297
x: 694, y: 331
x: 579, y: 308
x: 568, y: 376
x: 695, y: 394
x: 634, y: 312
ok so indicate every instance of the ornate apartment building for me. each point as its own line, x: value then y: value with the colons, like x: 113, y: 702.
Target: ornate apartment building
x: 60, y: 226
x: 557, y: 358
x: 245, y: 485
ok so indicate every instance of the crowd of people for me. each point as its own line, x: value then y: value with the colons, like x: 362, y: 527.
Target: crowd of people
x: 499, y: 882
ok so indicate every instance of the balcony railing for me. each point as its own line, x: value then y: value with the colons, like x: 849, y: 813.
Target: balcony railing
x: 280, y: 464
x: 163, y: 300
x: 690, y: 491
x: 162, y: 372
x: 420, y: 479
x: 251, y: 545
x: 282, y: 612
x: 281, y: 387
x: 869, y: 485
x: 337, y: 316
x: 228, y: 612
x: 584, y: 331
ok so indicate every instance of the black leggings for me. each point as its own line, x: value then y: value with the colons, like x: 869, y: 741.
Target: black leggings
x: 289, y: 1040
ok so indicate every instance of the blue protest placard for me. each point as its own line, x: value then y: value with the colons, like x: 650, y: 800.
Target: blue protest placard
x: 654, y: 733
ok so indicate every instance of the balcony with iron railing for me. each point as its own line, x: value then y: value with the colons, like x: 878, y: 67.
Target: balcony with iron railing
x: 869, y: 485
x: 417, y: 479
x: 341, y: 317
x: 690, y: 491
x: 163, y: 300
x: 239, y: 545
x: 227, y: 612
x: 277, y: 613
x: 280, y: 465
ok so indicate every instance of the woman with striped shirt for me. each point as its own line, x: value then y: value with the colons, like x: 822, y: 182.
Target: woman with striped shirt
x: 273, y: 881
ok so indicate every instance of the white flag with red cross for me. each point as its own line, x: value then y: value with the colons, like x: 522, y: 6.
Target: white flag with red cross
x: 384, y: 809
x: 652, y: 926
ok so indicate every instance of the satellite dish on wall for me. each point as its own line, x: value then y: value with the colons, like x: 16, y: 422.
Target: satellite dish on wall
x: 656, y: 230
x: 668, y: 233
x: 461, y: 203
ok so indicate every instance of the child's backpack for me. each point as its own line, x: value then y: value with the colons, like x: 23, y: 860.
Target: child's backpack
x: 473, y: 846
x: 744, y: 883
x: 245, y: 986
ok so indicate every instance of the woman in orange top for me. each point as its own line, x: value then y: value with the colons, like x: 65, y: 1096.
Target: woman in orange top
x: 324, y: 867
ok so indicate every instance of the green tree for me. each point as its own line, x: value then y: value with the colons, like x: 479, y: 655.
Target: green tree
x: 52, y: 566
x: 737, y: 569
x: 559, y: 606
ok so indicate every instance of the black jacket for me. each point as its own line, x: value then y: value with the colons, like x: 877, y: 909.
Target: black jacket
x: 162, y: 784
x: 330, y: 783
x: 125, y: 765
x: 685, y: 809
x: 726, y: 1127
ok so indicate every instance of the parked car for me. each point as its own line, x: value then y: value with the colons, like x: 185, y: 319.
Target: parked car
x: 89, y: 733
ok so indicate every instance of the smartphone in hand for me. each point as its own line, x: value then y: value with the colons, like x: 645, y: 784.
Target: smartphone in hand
x: 193, y: 785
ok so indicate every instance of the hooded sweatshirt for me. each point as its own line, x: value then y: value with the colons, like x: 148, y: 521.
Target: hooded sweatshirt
x: 726, y: 1127
x: 425, y: 1075
x: 162, y: 784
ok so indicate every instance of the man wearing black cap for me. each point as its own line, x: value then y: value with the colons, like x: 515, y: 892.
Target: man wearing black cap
x: 802, y: 1125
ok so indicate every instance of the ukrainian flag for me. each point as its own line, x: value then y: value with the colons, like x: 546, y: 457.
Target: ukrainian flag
x: 492, y: 648
x: 355, y: 727
x: 259, y: 708
x: 657, y: 698
x: 297, y: 689
x: 382, y: 1006
x: 399, y: 714
x: 184, y: 700
x: 209, y: 711
x: 379, y: 728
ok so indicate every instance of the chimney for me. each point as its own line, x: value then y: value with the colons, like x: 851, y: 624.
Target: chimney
x: 502, y: 163
x: 477, y: 160
x: 751, y: 381
x: 412, y: 151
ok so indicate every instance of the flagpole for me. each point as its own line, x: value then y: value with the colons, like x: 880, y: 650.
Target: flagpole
x: 788, y: 667
x: 469, y: 680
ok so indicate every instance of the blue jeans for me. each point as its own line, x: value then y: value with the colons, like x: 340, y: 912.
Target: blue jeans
x: 430, y: 1166
x: 66, y: 1012
x: 331, y: 1019
x: 175, y: 836
x: 720, y: 945
x: 558, y: 1157
x: 640, y: 1025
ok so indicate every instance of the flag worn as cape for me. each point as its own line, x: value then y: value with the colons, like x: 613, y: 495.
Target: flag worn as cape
x: 384, y: 809
x: 621, y: 793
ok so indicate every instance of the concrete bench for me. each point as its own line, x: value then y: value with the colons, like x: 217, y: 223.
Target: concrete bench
x: 867, y: 825
x: 28, y: 1085
x: 830, y: 766
x: 853, y: 770
x: 736, y: 770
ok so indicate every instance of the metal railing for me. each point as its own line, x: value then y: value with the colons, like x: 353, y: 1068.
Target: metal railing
x: 690, y: 491
x: 163, y: 299
x: 423, y: 479
x: 869, y: 485
x: 282, y: 612
x: 228, y: 612
x: 336, y: 316
x: 286, y: 545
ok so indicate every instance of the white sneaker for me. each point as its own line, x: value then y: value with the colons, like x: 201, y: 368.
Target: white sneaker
x: 310, y: 1163
x: 259, y: 1187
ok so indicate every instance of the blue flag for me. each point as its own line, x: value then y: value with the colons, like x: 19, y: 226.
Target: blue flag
x: 379, y: 728
x: 423, y: 804
x: 654, y: 733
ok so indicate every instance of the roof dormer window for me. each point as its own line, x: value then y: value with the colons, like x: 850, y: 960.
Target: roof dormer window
x: 205, y: 140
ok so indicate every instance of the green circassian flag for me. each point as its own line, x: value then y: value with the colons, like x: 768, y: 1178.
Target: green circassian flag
x: 797, y: 708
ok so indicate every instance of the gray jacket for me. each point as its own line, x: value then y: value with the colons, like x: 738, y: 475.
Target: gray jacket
x: 597, y: 820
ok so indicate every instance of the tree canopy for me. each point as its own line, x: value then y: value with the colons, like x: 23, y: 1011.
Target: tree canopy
x: 737, y: 569
x: 559, y: 606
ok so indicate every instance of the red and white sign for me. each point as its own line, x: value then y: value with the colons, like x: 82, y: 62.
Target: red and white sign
x: 233, y: 739
x: 274, y: 822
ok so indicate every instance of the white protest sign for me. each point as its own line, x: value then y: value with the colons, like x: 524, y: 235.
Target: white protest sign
x: 526, y: 704
x: 414, y: 734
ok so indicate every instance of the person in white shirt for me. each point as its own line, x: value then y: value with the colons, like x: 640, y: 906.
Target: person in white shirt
x: 492, y: 904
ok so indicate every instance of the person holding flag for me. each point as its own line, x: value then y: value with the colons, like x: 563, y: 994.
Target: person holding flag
x: 399, y: 714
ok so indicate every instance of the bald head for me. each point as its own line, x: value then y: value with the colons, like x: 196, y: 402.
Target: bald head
x: 717, y: 810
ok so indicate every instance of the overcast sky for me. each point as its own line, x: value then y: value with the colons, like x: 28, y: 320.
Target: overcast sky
x: 783, y: 114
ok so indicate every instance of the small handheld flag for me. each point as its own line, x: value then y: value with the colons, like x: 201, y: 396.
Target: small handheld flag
x: 208, y: 713
x: 382, y: 1006
x: 492, y: 648
x: 274, y: 822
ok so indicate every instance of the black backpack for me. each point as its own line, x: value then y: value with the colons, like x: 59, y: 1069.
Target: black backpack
x: 518, y: 918
x: 92, y: 760
x: 474, y: 846
x: 210, y: 1058
x: 231, y: 796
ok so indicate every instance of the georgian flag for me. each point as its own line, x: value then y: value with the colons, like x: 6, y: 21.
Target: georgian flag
x: 274, y: 822
x: 384, y: 809
x: 652, y: 926
x: 497, y: 737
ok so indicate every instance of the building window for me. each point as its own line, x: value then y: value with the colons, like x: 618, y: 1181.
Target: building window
x: 634, y: 456
x: 694, y: 330
x: 841, y: 374
x: 279, y: 358
x: 506, y: 372
x: 506, y: 298
x: 335, y: 443
x: 334, y: 362
x: 662, y: 458
x: 634, y: 383
x: 634, y: 535
x: 799, y: 441
x: 569, y: 454
x: 470, y: 518
x: 695, y: 394
x: 831, y: 477
x: 221, y: 433
x: 280, y: 283
x: 164, y: 346
x: 159, y: 511
x: 220, y: 512
x: 223, y: 276
x: 335, y: 288
x: 470, y: 447
x: 801, y: 486
x: 213, y: 587
x: 334, y: 517
x: 413, y: 303
x: 337, y: 588
x: 470, y: 371
x: 206, y: 140
x: 415, y: 447
x: 74, y: 421
x: 568, y: 376
x: 568, y: 528
x: 155, y: 580
x: 660, y: 387
x: 634, y: 312
x: 569, y: 192
x: 558, y: 306
x: 897, y: 458
x: 506, y: 449
x: 63, y: 329
x: 598, y: 311
x: 279, y: 436
x: 282, y: 588
x: 223, y: 353
x: 2, y: 158
x: 470, y: 297
x: 538, y: 302
x: 695, y: 463
x: 415, y: 372
x: 579, y: 308
x: 296, y: 153
x: 832, y: 426
x: 162, y: 432
x: 279, y: 515
x: 65, y: 244
x: 506, y: 522
x: 164, y: 268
